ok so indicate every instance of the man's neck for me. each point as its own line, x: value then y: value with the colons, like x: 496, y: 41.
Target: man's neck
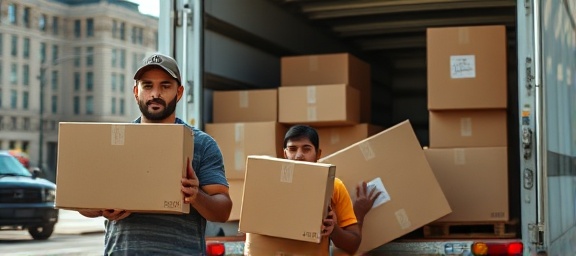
x: 168, y: 120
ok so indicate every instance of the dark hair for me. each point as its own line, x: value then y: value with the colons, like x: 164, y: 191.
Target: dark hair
x: 302, y: 131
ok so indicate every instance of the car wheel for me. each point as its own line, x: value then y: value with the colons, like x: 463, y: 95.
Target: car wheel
x: 41, y: 232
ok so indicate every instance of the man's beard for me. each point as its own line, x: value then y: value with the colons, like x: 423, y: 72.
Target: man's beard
x: 159, y: 116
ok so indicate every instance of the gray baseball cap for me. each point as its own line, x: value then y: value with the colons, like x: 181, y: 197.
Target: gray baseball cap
x: 165, y: 62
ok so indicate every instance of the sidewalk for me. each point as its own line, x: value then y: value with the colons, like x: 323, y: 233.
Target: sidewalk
x: 72, y: 222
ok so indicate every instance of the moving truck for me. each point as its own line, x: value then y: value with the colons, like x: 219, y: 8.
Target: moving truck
x: 227, y: 45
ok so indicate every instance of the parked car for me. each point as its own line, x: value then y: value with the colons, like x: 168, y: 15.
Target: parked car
x: 26, y: 200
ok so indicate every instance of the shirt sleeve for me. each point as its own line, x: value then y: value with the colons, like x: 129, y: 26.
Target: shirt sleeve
x: 208, y: 162
x: 342, y: 205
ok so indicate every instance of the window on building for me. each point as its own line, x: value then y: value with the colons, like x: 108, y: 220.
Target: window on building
x: 54, y: 53
x: 26, y: 45
x: 1, y: 95
x: 13, y: 99
x: 54, y: 104
x: 24, y: 145
x: 14, y: 47
x: 55, y: 25
x: 77, y: 28
x: 133, y: 35
x: 42, y: 53
x: 123, y: 58
x: 122, y: 31
x: 76, y: 105
x: 114, y: 57
x: 122, y: 79
x: 25, y: 74
x: 77, y: 55
x: 90, y: 56
x: 1, y: 44
x: 12, y: 14
x: 76, y: 81
x: 89, y: 105
x: 54, y: 81
x: 14, y: 73
x: 114, y: 81
x: 135, y: 62
x: 25, y: 95
x: 26, y: 126
x: 140, y: 39
x: 90, y: 27
x: 89, y: 81
x: 1, y: 74
x: 12, y: 143
x: 26, y: 17
x: 114, y: 29
x: 113, y: 106
x: 14, y: 126
x: 121, y: 106
x: 42, y: 22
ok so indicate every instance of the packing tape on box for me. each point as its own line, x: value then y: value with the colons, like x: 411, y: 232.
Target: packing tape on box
x: 239, y: 156
x: 118, y: 135
x: 334, y: 136
x: 287, y: 172
x: 402, y: 218
x: 313, y: 63
x: 243, y: 99
x: 311, y: 94
x: 366, y: 150
x: 466, y: 127
x: 459, y: 156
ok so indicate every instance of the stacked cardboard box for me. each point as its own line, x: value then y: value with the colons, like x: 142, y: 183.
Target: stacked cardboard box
x: 467, y: 93
x: 245, y: 122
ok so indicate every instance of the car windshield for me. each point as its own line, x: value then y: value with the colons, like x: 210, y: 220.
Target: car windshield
x: 10, y: 166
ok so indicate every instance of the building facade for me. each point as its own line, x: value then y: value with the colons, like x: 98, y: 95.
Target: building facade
x: 67, y: 61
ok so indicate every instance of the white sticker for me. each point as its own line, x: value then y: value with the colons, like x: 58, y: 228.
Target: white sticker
x: 311, y: 94
x: 311, y: 113
x: 366, y: 150
x: 287, y: 172
x: 376, y: 184
x: 459, y: 156
x: 239, y: 133
x: 462, y: 66
x: 243, y: 99
x: 466, y: 127
x: 118, y: 135
x: 402, y: 218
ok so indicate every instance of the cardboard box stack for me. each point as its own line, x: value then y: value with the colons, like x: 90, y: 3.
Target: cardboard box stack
x: 330, y: 92
x: 245, y: 122
x: 467, y: 101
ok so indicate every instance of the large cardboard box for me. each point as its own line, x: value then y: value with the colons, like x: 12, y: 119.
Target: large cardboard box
x: 468, y: 128
x: 235, y: 190
x: 245, y: 106
x: 467, y: 67
x: 474, y: 180
x: 338, y: 68
x: 136, y: 167
x: 257, y: 245
x: 286, y: 198
x: 238, y: 140
x: 322, y: 105
x: 336, y: 138
x: 394, y: 162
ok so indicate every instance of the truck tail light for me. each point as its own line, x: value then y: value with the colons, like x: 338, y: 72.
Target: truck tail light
x: 508, y: 249
x: 215, y: 249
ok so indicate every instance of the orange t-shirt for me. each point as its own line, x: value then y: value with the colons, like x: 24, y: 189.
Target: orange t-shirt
x: 342, y: 205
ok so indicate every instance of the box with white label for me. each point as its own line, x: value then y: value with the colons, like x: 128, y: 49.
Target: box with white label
x: 468, y: 128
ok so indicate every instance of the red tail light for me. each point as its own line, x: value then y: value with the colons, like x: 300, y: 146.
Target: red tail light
x: 215, y: 249
x: 508, y: 249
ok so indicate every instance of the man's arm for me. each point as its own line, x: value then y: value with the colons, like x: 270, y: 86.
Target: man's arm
x: 213, y: 203
x: 347, y: 238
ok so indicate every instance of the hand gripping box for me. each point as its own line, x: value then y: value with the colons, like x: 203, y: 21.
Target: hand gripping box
x: 136, y: 167
x: 285, y: 198
x: 393, y: 162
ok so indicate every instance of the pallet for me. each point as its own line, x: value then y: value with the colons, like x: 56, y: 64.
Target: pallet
x: 465, y: 230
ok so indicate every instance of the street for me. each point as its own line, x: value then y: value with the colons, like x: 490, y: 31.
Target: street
x: 74, y: 234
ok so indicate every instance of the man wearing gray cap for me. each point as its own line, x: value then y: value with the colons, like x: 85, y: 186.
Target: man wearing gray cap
x: 157, y: 89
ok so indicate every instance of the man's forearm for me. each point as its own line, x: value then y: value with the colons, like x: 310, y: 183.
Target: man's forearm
x: 214, y: 208
x: 346, y: 240
x: 91, y: 213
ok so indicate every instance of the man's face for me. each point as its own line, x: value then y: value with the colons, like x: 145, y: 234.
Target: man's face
x: 157, y: 94
x: 301, y: 149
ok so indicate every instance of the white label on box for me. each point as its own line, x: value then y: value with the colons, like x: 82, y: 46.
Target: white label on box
x: 466, y: 127
x: 459, y: 156
x: 311, y: 94
x: 462, y: 66
x: 239, y: 132
x: 366, y: 150
x: 287, y: 172
x: 376, y: 184
x: 311, y: 113
x: 243, y: 99
x: 334, y: 136
x: 118, y: 135
x: 402, y: 218
x: 239, y: 159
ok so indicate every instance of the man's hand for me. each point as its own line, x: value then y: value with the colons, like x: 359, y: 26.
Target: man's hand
x: 190, y: 185
x: 91, y: 213
x: 115, y: 214
x: 329, y: 222
x: 364, y: 201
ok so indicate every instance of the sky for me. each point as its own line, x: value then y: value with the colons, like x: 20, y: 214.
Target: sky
x: 151, y: 7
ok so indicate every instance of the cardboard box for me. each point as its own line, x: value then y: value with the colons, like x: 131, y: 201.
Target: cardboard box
x: 339, y: 68
x: 414, y: 196
x: 136, y: 167
x: 245, y: 106
x: 474, y: 180
x: 238, y: 140
x: 467, y: 67
x: 468, y: 128
x: 322, y: 105
x: 286, y: 198
x: 257, y: 245
x: 333, y: 139
x: 235, y: 190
